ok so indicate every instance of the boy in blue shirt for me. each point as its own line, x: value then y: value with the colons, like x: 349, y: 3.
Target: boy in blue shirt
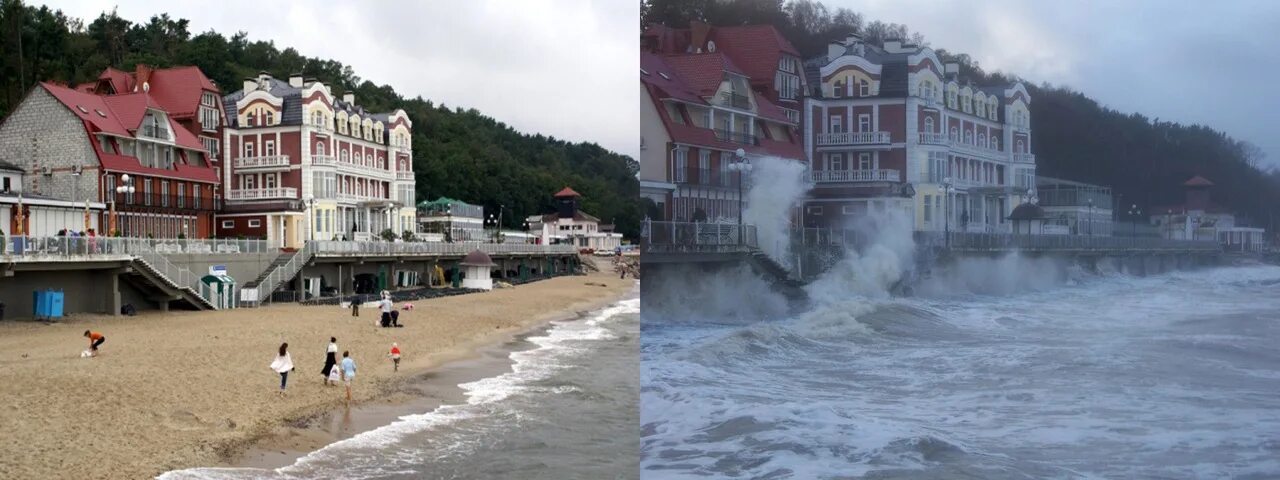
x: 348, y: 372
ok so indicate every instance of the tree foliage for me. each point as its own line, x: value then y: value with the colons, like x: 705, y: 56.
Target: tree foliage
x: 458, y: 153
x: 1145, y: 161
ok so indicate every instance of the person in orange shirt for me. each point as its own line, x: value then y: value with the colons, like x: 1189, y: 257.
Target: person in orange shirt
x: 95, y: 340
x: 395, y: 355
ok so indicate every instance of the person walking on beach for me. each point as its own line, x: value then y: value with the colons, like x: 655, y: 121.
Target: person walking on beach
x: 355, y: 305
x: 330, y: 359
x: 283, y: 364
x: 95, y: 341
x: 395, y: 355
x: 348, y: 372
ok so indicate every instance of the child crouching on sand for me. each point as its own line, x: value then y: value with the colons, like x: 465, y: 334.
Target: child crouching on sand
x: 395, y: 356
x: 95, y: 341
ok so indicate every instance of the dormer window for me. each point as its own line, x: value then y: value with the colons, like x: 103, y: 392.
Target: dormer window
x: 81, y: 109
x: 864, y: 88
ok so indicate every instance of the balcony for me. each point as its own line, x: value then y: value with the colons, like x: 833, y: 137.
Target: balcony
x: 1024, y: 157
x: 404, y: 176
x: 853, y: 138
x: 933, y: 138
x: 737, y: 137
x: 735, y: 100
x: 365, y: 170
x: 855, y: 176
x: 354, y: 198
x: 263, y: 162
x: 155, y: 131
x: 324, y: 160
x: 705, y: 177
x: 262, y: 193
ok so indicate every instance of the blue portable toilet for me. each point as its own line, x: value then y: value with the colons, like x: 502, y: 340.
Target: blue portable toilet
x: 48, y: 304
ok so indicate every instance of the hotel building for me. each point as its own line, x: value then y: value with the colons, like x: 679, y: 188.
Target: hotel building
x: 303, y: 164
x: 886, y: 127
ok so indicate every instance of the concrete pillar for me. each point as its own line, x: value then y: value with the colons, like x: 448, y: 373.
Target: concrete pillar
x: 113, y: 293
x: 298, y: 284
x: 340, y: 293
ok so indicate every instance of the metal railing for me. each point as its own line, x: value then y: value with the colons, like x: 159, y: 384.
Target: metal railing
x: 737, y: 137
x: 262, y: 193
x: 1024, y: 157
x: 323, y: 160
x: 706, y: 176
x: 692, y: 237
x: 402, y: 175
x: 736, y: 100
x: 933, y: 138
x: 853, y: 138
x: 51, y: 248
x: 285, y: 272
x: 340, y: 248
x: 154, y: 131
x: 883, y: 175
x: 1003, y: 241
x: 264, y: 161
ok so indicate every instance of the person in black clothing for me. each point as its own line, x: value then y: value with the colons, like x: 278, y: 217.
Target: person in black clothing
x: 355, y: 306
x: 330, y: 359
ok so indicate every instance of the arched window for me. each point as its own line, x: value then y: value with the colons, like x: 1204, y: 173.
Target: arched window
x: 319, y: 148
x: 982, y: 139
x: 1020, y: 149
x: 954, y: 134
x: 317, y: 119
x: 928, y: 124
x: 968, y: 137
x: 345, y: 156
x: 995, y: 142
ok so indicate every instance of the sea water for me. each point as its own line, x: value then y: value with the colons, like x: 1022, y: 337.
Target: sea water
x: 567, y: 410
x: 1032, y: 376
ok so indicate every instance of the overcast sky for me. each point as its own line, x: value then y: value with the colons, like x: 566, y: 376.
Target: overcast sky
x: 565, y: 68
x: 1212, y: 63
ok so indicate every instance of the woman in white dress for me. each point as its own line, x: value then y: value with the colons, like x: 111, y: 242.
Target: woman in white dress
x: 283, y: 364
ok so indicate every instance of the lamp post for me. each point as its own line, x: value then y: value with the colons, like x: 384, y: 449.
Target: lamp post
x: 1091, y: 217
x: 126, y: 188
x: 946, y: 212
x: 741, y: 166
x: 1168, y: 224
x: 311, y: 209
x: 1134, y: 212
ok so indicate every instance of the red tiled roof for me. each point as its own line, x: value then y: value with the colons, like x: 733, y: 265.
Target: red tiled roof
x: 121, y: 163
x: 567, y: 192
x: 75, y: 100
x: 697, y: 136
x: 130, y: 108
x: 1198, y: 181
x: 178, y: 89
x: 669, y: 85
x: 120, y: 81
x: 756, y: 48
x: 702, y: 72
x: 766, y: 109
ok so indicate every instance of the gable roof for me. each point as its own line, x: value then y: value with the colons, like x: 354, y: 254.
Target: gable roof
x: 1198, y: 181
x: 86, y: 106
x: 567, y: 192
x: 702, y: 72
x: 755, y: 48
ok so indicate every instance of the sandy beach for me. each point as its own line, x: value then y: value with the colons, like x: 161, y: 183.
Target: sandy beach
x: 190, y: 389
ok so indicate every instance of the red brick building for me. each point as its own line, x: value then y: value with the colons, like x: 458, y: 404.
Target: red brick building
x: 890, y: 127
x: 304, y: 164
x: 707, y: 92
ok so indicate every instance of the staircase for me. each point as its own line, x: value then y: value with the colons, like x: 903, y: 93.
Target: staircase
x: 284, y: 268
x: 771, y: 269
x: 168, y: 280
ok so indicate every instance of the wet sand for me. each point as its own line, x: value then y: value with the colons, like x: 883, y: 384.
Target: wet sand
x: 187, y: 389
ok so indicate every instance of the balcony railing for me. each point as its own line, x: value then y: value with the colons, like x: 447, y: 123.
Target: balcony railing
x: 351, y: 197
x: 705, y: 176
x: 262, y: 193
x: 829, y: 176
x: 155, y: 131
x: 853, y: 138
x: 1024, y: 157
x: 329, y: 160
x: 736, y: 100
x: 264, y: 161
x: 404, y: 176
x: 682, y: 237
x: 737, y: 137
x: 933, y: 138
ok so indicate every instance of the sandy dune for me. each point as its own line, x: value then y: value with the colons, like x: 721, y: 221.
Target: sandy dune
x: 193, y: 388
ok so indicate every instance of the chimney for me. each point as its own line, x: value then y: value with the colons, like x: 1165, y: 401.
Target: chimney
x: 250, y: 85
x: 349, y: 98
x: 295, y: 80
x: 952, y: 70
x: 700, y: 33
x: 141, y: 75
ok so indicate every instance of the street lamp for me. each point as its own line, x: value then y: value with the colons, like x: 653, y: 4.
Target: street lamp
x: 946, y: 211
x: 311, y: 208
x: 1091, y: 217
x: 1134, y: 212
x: 126, y: 188
x: 1168, y: 224
x: 741, y: 166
